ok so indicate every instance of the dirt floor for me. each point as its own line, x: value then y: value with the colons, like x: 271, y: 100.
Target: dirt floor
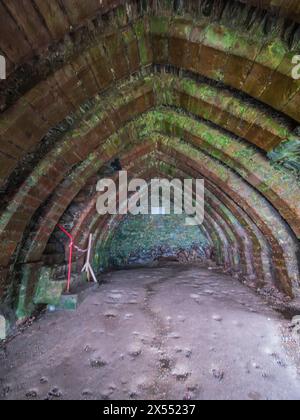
x: 161, y: 333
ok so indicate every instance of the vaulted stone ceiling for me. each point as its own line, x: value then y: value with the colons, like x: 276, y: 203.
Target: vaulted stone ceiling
x: 171, y: 88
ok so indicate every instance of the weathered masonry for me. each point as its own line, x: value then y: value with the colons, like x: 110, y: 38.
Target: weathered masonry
x: 174, y: 89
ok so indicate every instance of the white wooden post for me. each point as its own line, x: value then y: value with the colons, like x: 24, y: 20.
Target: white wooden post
x: 87, y: 267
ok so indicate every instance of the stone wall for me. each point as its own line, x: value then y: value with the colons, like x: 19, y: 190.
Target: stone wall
x: 144, y: 239
x: 173, y: 88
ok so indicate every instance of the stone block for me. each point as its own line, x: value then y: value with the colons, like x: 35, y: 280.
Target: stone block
x: 28, y: 275
x: 48, y: 291
x: 67, y: 303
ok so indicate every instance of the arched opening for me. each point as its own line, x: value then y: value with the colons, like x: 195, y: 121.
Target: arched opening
x: 178, y: 91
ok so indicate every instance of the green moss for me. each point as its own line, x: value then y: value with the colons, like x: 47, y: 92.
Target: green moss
x: 159, y: 25
x: 128, y: 36
x: 48, y: 291
x: 140, y: 239
x: 24, y: 309
x: 288, y: 155
x: 272, y: 55
x: 67, y: 303
x: 181, y: 28
x: 219, y: 37
x: 121, y: 15
x: 144, y: 49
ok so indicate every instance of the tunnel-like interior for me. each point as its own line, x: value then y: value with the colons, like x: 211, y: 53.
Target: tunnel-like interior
x: 172, y: 89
